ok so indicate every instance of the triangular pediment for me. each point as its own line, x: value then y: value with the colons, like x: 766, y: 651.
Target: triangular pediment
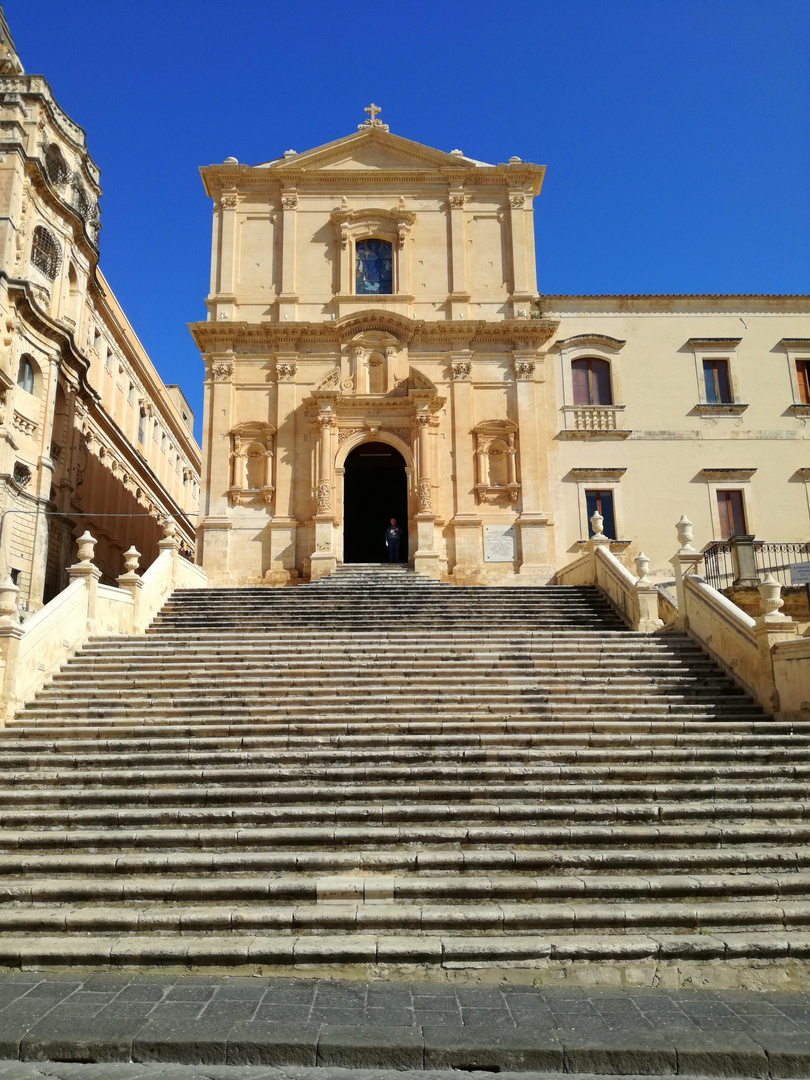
x: 371, y: 150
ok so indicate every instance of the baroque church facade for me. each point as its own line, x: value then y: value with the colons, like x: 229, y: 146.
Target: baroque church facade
x: 90, y: 437
x: 376, y: 347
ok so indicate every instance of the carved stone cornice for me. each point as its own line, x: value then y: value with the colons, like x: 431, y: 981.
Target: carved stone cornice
x: 513, y: 333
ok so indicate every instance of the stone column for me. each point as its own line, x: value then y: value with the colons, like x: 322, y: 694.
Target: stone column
x: 39, y: 557
x: 288, y: 298
x: 459, y: 296
x: 226, y: 297
x: 522, y: 294
x: 466, y: 522
x: 323, y: 559
x: 215, y: 523
x: 283, y: 524
x: 426, y: 558
x: 532, y: 521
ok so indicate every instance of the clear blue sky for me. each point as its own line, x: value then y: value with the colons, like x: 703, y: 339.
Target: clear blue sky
x: 675, y: 134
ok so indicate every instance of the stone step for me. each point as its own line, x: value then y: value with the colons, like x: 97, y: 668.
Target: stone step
x: 571, y: 731
x: 676, y: 777
x: 245, y: 915
x: 161, y: 810
x: 445, y: 951
x: 780, y: 854
x: 413, y: 889
x: 419, y: 840
x: 570, y: 762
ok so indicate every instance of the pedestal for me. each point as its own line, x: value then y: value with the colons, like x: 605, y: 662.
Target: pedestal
x: 533, y: 546
x: 323, y: 560
x: 468, y: 559
x: 215, y: 554
x: 282, y: 570
x: 426, y: 559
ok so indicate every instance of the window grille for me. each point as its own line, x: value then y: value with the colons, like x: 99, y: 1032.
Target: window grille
x: 56, y: 166
x: 45, y: 253
x: 22, y: 474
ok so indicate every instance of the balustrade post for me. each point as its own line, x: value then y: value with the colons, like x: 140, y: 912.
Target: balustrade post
x: 646, y: 620
x: 684, y: 560
x: 85, y: 570
x: 744, y: 561
x: 131, y: 581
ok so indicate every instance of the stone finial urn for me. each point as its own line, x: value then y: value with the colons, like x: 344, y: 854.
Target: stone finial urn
x: 685, y: 534
x: 642, y: 566
x: 770, y: 595
x: 597, y: 523
x: 8, y: 599
x: 131, y: 560
x: 169, y: 526
x: 86, y: 547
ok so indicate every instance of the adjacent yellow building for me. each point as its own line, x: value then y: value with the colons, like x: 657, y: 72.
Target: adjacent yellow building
x: 90, y: 438
x: 376, y: 347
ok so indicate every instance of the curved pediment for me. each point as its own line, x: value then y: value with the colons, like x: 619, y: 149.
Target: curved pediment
x: 387, y: 322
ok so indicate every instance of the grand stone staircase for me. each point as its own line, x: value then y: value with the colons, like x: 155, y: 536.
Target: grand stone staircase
x: 381, y: 773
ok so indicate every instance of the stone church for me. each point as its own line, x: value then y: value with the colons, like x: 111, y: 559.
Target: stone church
x: 376, y: 347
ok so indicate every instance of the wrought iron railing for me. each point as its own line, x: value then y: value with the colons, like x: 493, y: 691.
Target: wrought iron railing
x: 782, y: 560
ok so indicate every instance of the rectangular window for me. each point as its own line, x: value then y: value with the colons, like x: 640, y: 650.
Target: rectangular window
x: 601, y: 502
x: 731, y: 512
x: 716, y: 380
x: 141, y: 427
x: 803, y: 379
x: 591, y: 382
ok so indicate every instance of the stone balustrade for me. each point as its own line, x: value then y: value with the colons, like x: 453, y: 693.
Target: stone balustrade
x: 766, y: 653
x: 31, y: 652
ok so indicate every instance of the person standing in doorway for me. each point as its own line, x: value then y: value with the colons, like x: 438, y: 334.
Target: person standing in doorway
x: 393, y: 535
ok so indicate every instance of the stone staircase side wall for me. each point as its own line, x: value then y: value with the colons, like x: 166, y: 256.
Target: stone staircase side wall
x: 635, y: 600
x: 32, y: 652
x: 764, y: 655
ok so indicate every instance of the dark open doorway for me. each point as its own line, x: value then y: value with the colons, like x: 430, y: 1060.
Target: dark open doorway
x: 374, y: 490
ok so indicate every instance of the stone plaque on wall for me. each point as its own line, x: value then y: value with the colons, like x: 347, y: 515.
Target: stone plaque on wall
x: 499, y: 543
x: 800, y: 573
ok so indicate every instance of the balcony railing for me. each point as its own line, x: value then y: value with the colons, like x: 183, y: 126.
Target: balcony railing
x: 788, y: 562
x: 594, y: 418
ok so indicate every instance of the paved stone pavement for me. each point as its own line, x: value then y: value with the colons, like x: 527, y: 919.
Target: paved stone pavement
x: 213, y: 1022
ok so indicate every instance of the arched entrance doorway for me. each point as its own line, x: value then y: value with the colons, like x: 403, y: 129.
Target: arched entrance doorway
x: 374, y: 490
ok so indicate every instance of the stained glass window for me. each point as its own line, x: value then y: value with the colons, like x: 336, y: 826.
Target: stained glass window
x: 373, y: 267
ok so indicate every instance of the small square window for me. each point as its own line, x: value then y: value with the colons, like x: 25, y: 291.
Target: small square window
x: 717, y: 383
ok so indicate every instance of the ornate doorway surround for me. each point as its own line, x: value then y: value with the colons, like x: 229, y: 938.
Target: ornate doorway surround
x: 401, y: 410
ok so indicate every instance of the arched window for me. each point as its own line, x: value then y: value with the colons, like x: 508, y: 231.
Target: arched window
x: 45, y: 252
x: 25, y: 375
x: 373, y: 267
x: 591, y: 378
x: 55, y: 166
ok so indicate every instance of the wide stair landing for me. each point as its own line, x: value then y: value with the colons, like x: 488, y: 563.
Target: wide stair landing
x: 377, y: 770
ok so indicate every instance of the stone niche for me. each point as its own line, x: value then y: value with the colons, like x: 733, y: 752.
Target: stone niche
x: 252, y: 458
x: 497, y: 481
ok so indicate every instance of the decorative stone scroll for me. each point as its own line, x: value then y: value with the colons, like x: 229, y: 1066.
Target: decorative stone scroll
x: 524, y: 370
x: 462, y: 369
